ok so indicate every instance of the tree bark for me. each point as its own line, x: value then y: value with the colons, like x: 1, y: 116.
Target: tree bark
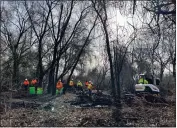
x: 40, y: 68
x: 15, y: 73
x: 174, y: 67
x: 51, y: 81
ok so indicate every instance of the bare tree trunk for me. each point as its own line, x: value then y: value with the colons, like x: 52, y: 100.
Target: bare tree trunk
x: 39, y: 67
x: 161, y: 71
x: 174, y: 66
x: 15, y: 73
x: 117, y: 75
x: 110, y: 62
x: 57, y: 68
x: 54, y: 82
x: 51, y: 81
x: 52, y: 73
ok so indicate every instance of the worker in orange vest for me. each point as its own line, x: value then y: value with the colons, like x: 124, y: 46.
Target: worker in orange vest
x: 26, y: 84
x: 59, y: 86
x: 34, y: 83
x: 86, y: 83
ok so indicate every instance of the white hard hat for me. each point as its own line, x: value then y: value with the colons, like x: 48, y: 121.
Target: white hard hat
x: 26, y: 79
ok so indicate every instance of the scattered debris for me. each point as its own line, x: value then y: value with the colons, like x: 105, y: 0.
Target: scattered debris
x: 97, y: 99
x: 59, y: 113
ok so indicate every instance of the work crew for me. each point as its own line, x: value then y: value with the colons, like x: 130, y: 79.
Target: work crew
x: 34, y: 83
x: 89, y: 87
x: 142, y: 81
x: 59, y: 86
x: 26, y: 84
x: 79, y: 85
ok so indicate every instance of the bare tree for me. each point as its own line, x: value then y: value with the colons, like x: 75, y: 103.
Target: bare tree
x: 58, y: 38
x: 164, y: 17
x: 102, y: 72
x: 16, y: 40
x: 64, y: 39
x: 100, y: 9
x: 120, y: 53
x: 83, y: 46
x: 40, y: 31
x: 162, y: 56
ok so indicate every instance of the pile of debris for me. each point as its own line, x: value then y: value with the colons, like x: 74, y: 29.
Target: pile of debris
x: 147, y: 99
x: 98, y: 99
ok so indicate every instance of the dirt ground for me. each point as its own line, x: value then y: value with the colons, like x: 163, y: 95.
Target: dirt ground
x: 58, y: 112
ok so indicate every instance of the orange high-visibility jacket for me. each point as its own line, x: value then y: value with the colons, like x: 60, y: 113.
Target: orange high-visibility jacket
x: 86, y: 83
x: 71, y: 83
x: 26, y: 82
x: 34, y: 81
x: 59, y: 85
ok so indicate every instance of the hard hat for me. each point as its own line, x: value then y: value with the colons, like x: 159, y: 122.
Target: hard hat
x: 71, y: 79
x: 59, y: 80
x: 26, y: 79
